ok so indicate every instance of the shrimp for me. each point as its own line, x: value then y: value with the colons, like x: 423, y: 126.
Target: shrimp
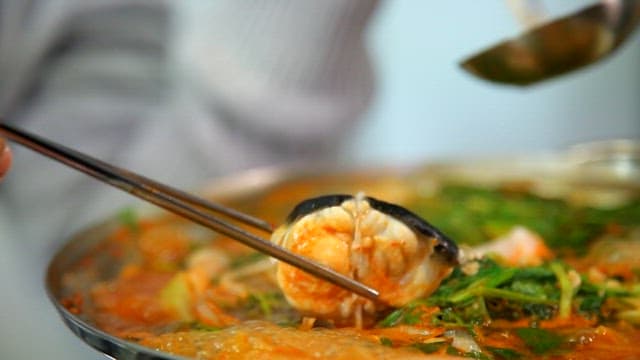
x: 377, y: 243
x: 519, y: 247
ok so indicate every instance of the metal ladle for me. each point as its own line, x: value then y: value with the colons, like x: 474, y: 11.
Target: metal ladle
x: 560, y: 46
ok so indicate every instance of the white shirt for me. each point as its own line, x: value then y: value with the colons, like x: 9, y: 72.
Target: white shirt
x: 180, y: 93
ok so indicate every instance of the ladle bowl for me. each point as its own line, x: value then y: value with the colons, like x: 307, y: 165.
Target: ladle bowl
x: 558, y: 47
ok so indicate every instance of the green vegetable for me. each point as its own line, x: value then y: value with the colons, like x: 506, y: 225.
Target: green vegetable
x: 566, y: 290
x: 247, y: 259
x: 203, y: 327
x: 474, y: 215
x: 496, y: 291
x: 591, y: 304
x: 504, y: 353
x: 386, y: 341
x: 177, y: 296
x: 540, y: 341
x: 393, y: 318
x: 129, y: 218
x: 630, y: 316
x: 453, y: 351
x: 500, y: 292
x: 270, y: 305
x: 266, y: 302
x: 477, y: 355
x: 472, y: 354
x: 410, y: 314
x: 429, y: 348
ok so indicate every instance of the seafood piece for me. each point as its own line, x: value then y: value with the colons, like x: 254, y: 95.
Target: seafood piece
x: 519, y: 247
x: 377, y: 243
x: 613, y: 256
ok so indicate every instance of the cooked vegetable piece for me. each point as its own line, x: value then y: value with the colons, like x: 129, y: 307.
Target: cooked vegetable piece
x: 429, y: 348
x: 249, y: 258
x: 474, y: 215
x: 176, y: 296
x: 129, y: 218
x: 500, y: 292
x: 505, y: 353
x: 540, y: 341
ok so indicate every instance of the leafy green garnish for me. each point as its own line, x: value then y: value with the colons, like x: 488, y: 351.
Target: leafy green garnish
x: 566, y: 289
x: 496, y: 291
x: 129, y: 218
x: 453, y: 351
x: 270, y: 305
x: 471, y: 354
x: 243, y: 260
x: 265, y: 302
x: 203, y: 327
x: 591, y: 304
x: 393, y: 318
x: 501, y: 292
x: 429, y: 348
x: 386, y: 341
x: 540, y: 341
x: 474, y: 215
x: 477, y: 355
x: 410, y: 314
x: 504, y: 353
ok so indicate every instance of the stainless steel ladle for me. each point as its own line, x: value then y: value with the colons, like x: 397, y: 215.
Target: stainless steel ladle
x: 559, y: 46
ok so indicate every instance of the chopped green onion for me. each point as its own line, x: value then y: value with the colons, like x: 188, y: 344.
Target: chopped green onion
x: 386, y: 341
x: 540, y: 341
x: 566, y: 289
x: 129, y: 218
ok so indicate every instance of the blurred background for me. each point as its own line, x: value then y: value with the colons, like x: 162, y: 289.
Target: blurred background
x: 428, y: 107
x: 424, y: 107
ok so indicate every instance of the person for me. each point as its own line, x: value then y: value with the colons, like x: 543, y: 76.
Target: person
x: 5, y: 158
x: 181, y: 92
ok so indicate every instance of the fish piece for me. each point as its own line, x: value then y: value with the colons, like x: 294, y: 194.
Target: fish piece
x: 380, y: 244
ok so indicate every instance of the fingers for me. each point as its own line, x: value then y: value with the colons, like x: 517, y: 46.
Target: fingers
x: 5, y: 158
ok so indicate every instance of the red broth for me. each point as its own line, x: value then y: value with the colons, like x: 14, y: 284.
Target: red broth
x: 184, y: 290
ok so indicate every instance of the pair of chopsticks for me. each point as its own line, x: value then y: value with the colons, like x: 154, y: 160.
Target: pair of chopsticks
x: 191, y: 207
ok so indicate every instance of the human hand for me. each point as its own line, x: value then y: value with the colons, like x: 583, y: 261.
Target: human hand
x: 5, y: 158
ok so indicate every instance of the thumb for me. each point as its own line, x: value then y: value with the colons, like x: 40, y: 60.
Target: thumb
x: 5, y: 157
